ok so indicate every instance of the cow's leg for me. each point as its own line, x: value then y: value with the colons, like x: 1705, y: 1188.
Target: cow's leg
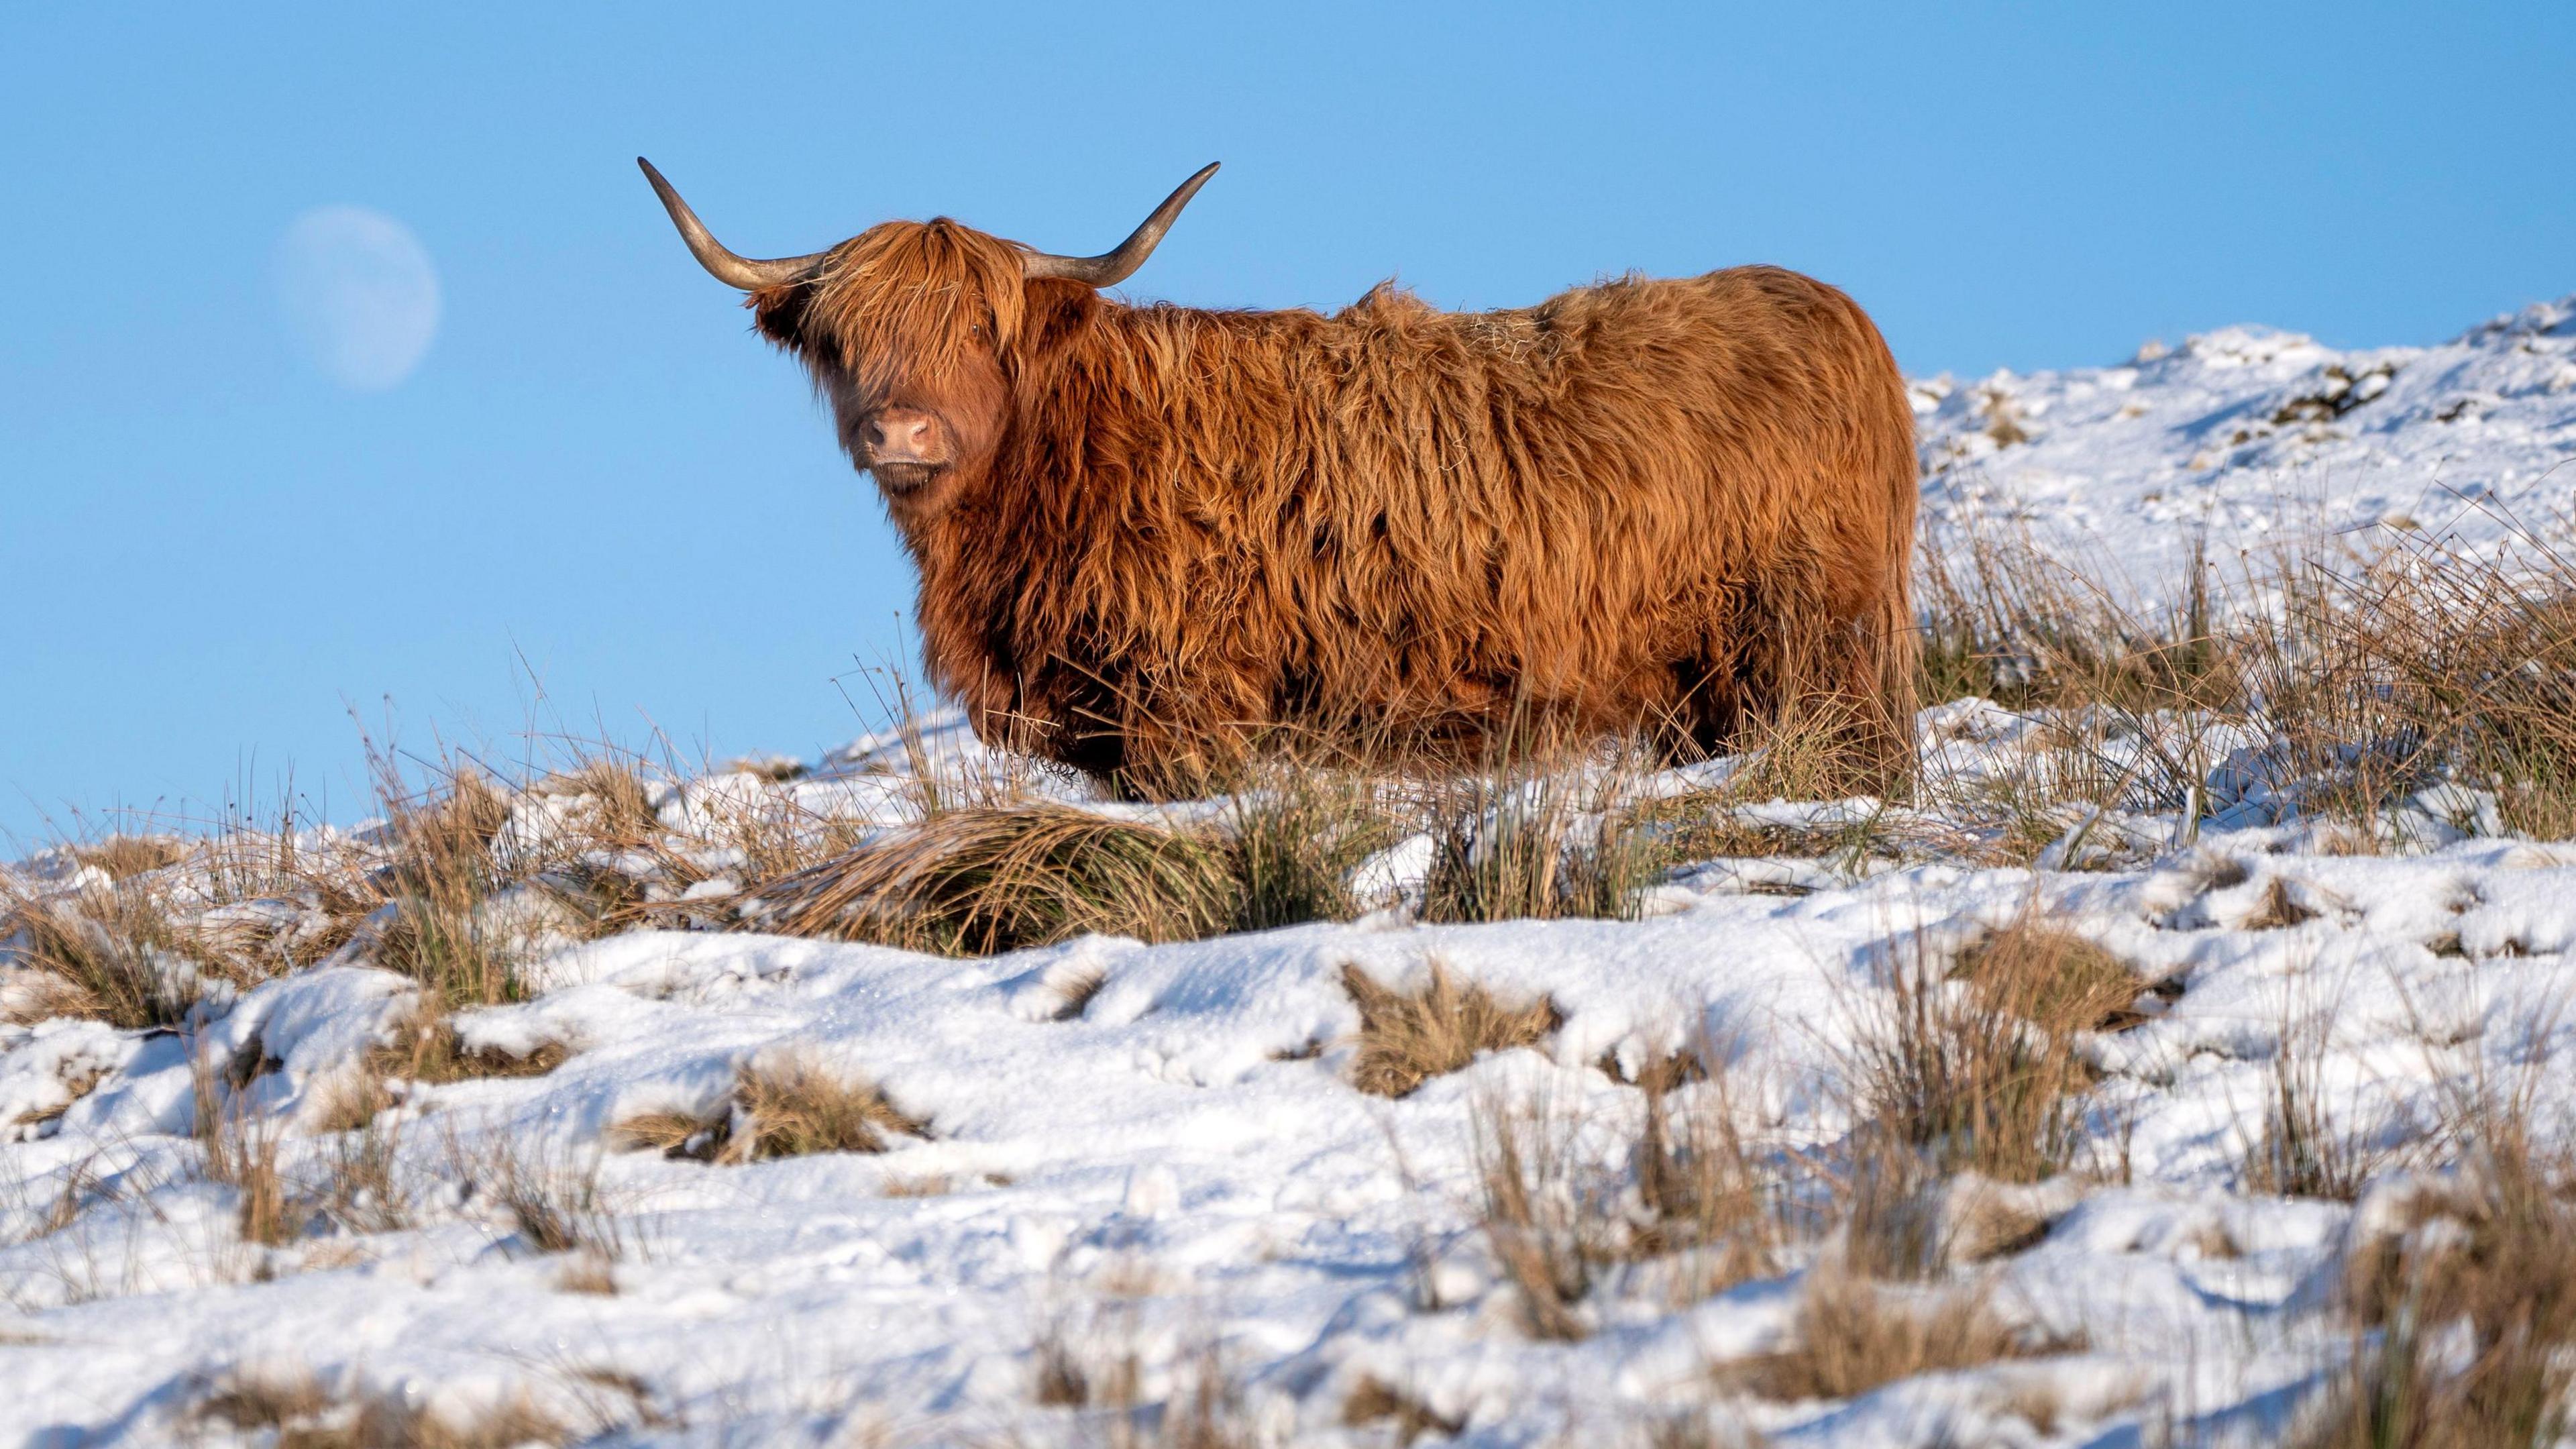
x: 1189, y: 734
x: 1827, y: 681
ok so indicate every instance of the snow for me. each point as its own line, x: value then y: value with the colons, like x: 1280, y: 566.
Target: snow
x: 1181, y: 1163
x: 2247, y: 433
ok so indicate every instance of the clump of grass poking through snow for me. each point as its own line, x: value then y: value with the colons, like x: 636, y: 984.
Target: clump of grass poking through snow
x: 1294, y: 841
x: 979, y: 880
x: 782, y: 1106
x: 442, y: 870
x: 2464, y: 1303
x: 2302, y: 1151
x: 1546, y: 1218
x: 1975, y: 1066
x: 111, y: 953
x: 1852, y: 1335
x: 297, y: 1411
x: 793, y: 1106
x: 241, y: 1150
x: 124, y: 857
x: 425, y: 1046
x: 1519, y: 848
x: 1406, y: 1039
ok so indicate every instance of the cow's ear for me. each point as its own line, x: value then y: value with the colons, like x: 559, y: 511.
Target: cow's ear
x: 779, y: 312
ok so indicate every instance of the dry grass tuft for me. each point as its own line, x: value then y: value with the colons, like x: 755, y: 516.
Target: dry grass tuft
x: 1058, y: 1378
x: 1675, y: 1196
x: 2302, y: 1151
x: 619, y: 806
x: 785, y: 1106
x: 2277, y: 908
x: 1516, y: 847
x: 1546, y: 1216
x: 2372, y: 672
x: 1816, y: 748
x: 1982, y: 1074
x: 2051, y: 977
x: 359, y: 1191
x: 126, y: 856
x: 1405, y: 1040
x: 1294, y: 841
x: 2005, y: 619
x: 1853, y: 1335
x: 554, y: 1204
x: 985, y: 879
x: 1707, y: 1195
x: 298, y: 1412
x: 112, y: 954
x: 272, y: 1399
x: 1102, y: 1366
x: 442, y: 868
x: 584, y: 1273
x: 793, y: 1107
x: 426, y: 1047
x: 2381, y: 674
x: 2473, y: 1304
x: 674, y: 1134
x: 241, y: 1149
x: 1375, y: 1401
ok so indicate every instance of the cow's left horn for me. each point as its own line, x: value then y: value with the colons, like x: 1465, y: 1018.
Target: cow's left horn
x: 748, y: 273
x: 1110, y: 268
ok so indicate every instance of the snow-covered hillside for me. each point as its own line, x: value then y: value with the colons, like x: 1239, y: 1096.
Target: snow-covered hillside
x: 2244, y: 433
x: 1118, y: 1175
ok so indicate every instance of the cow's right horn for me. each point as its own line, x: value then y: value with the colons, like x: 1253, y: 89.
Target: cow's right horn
x: 1110, y: 268
x: 748, y: 273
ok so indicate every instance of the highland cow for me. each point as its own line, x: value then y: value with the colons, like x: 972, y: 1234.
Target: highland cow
x: 1151, y: 538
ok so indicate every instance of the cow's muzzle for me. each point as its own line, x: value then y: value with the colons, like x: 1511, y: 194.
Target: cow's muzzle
x: 904, y: 447
x: 904, y: 435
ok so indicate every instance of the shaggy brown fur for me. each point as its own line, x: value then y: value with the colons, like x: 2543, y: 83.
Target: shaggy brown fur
x: 1677, y: 507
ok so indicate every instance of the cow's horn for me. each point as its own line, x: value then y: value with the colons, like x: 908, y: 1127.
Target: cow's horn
x: 1110, y: 268
x: 749, y: 273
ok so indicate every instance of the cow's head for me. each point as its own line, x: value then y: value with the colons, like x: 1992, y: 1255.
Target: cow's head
x: 913, y: 330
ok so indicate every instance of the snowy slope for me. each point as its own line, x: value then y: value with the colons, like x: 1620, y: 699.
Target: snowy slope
x: 1181, y: 1168
x: 2246, y: 432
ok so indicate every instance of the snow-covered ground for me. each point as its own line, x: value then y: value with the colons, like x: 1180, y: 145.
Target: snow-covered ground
x: 2246, y: 433
x: 1179, y: 1171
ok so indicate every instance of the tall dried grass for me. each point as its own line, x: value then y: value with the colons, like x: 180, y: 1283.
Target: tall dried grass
x: 2464, y: 1322
x: 2372, y: 668
x: 241, y: 1148
x: 985, y: 879
x: 553, y: 1199
x: 782, y: 1105
x: 111, y: 953
x: 1296, y: 837
x: 1851, y: 1335
x: 1516, y: 846
x: 1406, y: 1039
x: 2302, y: 1149
x: 1972, y: 1062
x: 1547, y: 1214
x: 1672, y: 1201
x: 1720, y: 1208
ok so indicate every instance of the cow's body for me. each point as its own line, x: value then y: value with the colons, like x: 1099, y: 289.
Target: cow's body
x: 1161, y: 534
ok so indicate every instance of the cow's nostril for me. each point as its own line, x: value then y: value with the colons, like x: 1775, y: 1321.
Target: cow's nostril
x: 900, y: 436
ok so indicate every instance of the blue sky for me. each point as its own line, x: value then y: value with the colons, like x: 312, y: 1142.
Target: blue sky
x: 600, y: 506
